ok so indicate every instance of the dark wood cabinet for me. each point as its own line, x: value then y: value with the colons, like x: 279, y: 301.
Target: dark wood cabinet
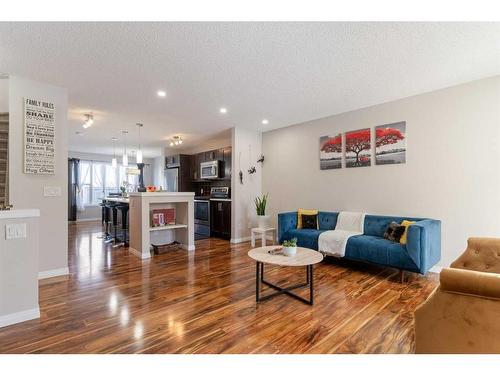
x: 226, y: 157
x: 220, y: 219
x: 172, y: 161
x: 222, y: 154
x: 210, y: 155
x: 184, y: 165
x: 185, y: 180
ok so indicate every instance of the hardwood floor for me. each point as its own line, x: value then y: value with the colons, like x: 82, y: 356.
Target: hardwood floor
x: 204, y: 302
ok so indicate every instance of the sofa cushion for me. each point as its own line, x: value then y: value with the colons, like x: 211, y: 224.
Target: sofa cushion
x: 327, y: 220
x: 394, y: 232
x: 375, y: 225
x: 301, y: 212
x: 380, y: 251
x: 305, y: 237
x: 310, y: 221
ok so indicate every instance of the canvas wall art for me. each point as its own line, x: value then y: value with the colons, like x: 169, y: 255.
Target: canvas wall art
x: 390, y: 143
x: 358, y: 148
x: 330, y: 152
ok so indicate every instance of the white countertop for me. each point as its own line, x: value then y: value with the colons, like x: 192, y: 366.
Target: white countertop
x: 163, y: 194
x: 116, y: 199
x: 19, y: 214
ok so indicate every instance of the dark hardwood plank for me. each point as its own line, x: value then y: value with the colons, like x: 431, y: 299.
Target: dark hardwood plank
x: 204, y: 302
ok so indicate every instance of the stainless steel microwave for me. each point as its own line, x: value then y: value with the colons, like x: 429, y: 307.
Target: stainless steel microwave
x: 210, y: 169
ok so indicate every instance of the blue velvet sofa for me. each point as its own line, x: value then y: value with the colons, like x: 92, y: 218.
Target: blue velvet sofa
x: 421, y: 252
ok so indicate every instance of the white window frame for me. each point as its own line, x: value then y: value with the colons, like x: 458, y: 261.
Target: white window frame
x: 92, y: 201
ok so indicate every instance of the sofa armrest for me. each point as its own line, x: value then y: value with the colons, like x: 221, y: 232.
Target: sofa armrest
x: 482, y: 284
x: 286, y: 221
x: 424, y: 243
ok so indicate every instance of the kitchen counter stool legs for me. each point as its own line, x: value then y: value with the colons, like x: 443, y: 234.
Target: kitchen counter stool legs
x: 124, y: 208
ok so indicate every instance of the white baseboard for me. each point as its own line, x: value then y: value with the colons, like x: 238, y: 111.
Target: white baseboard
x: 188, y: 248
x: 53, y: 273
x: 89, y: 219
x: 436, y: 269
x: 18, y: 317
x: 139, y: 254
x: 239, y: 240
x: 246, y: 239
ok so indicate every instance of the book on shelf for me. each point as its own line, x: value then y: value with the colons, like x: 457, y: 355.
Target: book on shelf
x: 162, y: 217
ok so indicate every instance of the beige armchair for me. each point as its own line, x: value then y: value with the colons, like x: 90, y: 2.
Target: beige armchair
x: 463, y: 314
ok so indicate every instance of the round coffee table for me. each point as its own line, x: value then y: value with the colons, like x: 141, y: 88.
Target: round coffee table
x: 304, y: 257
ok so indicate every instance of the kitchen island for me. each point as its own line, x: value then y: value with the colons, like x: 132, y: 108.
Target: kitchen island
x: 140, y: 230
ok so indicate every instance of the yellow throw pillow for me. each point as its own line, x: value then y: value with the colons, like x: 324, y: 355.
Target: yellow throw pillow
x: 406, y: 224
x: 301, y: 212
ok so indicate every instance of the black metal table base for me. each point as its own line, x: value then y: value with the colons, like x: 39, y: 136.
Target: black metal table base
x: 259, y: 279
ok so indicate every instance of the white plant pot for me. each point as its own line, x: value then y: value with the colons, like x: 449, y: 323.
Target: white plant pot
x: 263, y: 221
x: 290, y: 251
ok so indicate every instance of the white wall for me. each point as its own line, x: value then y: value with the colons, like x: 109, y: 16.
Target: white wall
x: 247, y: 148
x: 452, y: 170
x: 4, y: 95
x: 26, y: 190
x: 159, y: 170
x: 220, y: 140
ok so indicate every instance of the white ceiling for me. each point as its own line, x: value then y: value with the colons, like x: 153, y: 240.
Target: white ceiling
x: 285, y: 72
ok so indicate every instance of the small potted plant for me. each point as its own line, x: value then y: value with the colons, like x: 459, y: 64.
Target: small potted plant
x: 290, y: 247
x: 260, y: 206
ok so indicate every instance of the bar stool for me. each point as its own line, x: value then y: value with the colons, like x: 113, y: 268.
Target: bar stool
x: 105, y: 217
x: 114, y: 217
x: 123, y: 207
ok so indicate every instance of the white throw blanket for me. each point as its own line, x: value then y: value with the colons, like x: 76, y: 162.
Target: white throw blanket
x: 333, y: 242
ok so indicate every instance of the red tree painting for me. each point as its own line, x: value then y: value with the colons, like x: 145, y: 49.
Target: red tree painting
x: 390, y: 143
x: 332, y: 144
x: 330, y: 152
x: 388, y: 136
x: 356, y: 142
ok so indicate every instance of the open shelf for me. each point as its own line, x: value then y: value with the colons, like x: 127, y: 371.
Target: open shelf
x: 168, y: 227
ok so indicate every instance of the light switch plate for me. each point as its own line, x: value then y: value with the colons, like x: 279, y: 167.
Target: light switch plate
x: 15, y: 231
x: 52, y: 191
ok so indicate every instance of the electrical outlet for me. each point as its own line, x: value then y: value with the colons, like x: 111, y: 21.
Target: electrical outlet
x: 14, y: 231
x: 52, y: 191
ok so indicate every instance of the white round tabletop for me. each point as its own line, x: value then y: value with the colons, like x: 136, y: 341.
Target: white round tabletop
x: 303, y: 257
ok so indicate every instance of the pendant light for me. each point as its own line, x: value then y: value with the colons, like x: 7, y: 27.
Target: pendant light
x: 114, y: 163
x: 125, y: 155
x: 139, y: 151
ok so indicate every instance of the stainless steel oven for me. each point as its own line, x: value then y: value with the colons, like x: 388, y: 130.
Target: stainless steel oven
x: 210, y: 169
x: 201, y: 218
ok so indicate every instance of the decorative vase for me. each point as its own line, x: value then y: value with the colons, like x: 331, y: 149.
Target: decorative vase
x: 263, y: 221
x: 290, y: 251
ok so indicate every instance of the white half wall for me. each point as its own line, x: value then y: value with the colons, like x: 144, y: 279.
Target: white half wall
x: 26, y: 190
x: 451, y: 173
x: 247, y: 148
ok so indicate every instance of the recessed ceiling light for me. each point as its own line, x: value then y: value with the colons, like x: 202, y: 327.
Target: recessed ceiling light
x: 89, y: 120
x: 265, y: 122
x: 161, y: 93
x: 223, y: 110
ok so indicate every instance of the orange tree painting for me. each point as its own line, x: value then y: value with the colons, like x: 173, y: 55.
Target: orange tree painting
x: 390, y: 143
x: 357, y: 148
x: 330, y: 150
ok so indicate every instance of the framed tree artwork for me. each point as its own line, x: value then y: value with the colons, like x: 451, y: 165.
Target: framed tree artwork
x: 330, y: 152
x: 390, y: 143
x: 358, y: 148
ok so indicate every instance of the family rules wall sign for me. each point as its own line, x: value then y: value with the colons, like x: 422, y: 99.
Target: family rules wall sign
x: 39, y: 137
